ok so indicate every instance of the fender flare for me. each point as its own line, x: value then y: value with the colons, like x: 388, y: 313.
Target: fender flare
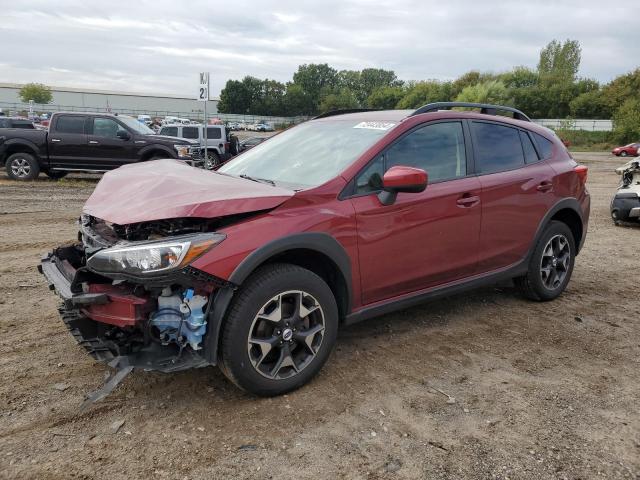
x: 155, y: 147
x: 221, y: 299
x: 34, y: 149
x: 565, y: 203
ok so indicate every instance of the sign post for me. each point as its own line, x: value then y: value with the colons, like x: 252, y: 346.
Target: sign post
x: 203, y: 96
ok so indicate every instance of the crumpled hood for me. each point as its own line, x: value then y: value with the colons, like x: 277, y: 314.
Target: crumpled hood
x: 164, y: 189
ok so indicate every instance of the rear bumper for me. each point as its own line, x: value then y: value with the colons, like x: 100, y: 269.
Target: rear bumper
x: 625, y: 207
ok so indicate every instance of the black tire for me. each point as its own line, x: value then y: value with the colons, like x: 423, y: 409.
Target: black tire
x: 212, y: 161
x: 245, y: 363
x: 55, y: 174
x: 623, y: 154
x: 157, y: 156
x: 22, y: 166
x: 540, y: 283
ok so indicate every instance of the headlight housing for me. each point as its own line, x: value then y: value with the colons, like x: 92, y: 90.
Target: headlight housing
x: 150, y: 257
x: 182, y: 150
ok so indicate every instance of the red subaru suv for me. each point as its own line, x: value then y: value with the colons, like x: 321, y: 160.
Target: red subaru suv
x: 340, y: 219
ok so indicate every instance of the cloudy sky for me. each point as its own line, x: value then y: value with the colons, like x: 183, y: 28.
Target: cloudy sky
x: 159, y: 46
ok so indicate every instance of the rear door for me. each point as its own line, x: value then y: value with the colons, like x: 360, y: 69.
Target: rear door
x: 68, y: 141
x: 517, y: 191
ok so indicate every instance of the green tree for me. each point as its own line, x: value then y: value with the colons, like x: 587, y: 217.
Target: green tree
x: 626, y: 121
x: 622, y: 88
x: 590, y: 104
x: 520, y: 77
x: 560, y: 62
x: 37, y: 92
x: 297, y: 102
x: 373, y: 78
x: 385, y: 98
x: 421, y: 93
x: 234, y: 98
x: 316, y: 80
x: 342, y: 99
x: 491, y: 91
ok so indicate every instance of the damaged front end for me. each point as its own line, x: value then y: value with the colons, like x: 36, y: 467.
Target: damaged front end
x: 625, y: 206
x: 131, y: 297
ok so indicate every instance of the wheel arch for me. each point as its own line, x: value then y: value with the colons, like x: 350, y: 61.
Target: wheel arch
x: 318, y: 252
x: 22, y: 146
x: 567, y: 211
x: 150, y: 150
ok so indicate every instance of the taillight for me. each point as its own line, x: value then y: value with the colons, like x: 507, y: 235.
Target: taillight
x: 582, y: 172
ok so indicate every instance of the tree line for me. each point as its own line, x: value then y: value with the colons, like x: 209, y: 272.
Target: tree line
x: 552, y: 90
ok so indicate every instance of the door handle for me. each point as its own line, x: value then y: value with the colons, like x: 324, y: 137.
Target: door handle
x: 93, y: 142
x: 55, y: 140
x: 545, y: 186
x: 468, y: 200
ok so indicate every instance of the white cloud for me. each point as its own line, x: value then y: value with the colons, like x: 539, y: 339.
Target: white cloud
x: 160, y: 45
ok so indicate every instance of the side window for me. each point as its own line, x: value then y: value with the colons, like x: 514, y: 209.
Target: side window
x: 106, y: 127
x: 4, y: 123
x: 545, y: 147
x: 214, y: 133
x: 190, y: 132
x: 498, y: 148
x: 370, y: 179
x: 437, y: 148
x: 530, y: 155
x: 70, y: 124
x: 169, y: 131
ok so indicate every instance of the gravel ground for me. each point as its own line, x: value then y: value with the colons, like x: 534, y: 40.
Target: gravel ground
x: 483, y: 385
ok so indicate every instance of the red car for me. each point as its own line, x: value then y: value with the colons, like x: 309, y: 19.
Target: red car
x: 630, y: 150
x: 338, y: 220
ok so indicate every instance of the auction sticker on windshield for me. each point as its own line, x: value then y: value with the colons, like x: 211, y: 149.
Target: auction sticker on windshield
x: 375, y: 125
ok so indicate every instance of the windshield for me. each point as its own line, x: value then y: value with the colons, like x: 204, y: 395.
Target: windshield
x: 309, y: 154
x: 134, y: 124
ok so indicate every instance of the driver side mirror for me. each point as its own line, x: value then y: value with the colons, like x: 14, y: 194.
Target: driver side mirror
x: 123, y: 135
x: 402, y: 179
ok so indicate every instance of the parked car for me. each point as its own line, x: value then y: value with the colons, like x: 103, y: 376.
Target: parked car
x: 90, y: 142
x: 16, y: 122
x: 630, y: 150
x: 251, y: 142
x: 337, y: 220
x: 625, y: 205
x: 218, y: 148
x: 264, y: 127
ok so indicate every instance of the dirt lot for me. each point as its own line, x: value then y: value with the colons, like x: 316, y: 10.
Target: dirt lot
x: 541, y: 390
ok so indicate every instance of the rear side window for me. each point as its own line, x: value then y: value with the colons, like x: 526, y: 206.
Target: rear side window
x: 190, y: 132
x: 214, y: 133
x: 530, y: 155
x: 498, y: 148
x: 70, y: 124
x: 169, y: 131
x: 23, y: 124
x: 437, y: 148
x: 545, y: 147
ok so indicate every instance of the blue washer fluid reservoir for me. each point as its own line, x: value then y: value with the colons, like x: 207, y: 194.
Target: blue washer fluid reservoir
x: 194, y: 325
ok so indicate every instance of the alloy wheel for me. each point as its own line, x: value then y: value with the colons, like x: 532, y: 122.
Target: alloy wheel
x: 555, y: 262
x: 20, y: 167
x: 286, y: 334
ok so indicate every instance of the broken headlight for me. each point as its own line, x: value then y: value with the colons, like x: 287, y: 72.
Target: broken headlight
x: 139, y: 258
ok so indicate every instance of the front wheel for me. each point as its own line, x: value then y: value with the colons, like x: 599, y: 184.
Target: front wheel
x: 623, y: 154
x: 55, y: 174
x: 550, y: 265
x: 212, y: 160
x: 280, y: 330
x: 22, y: 166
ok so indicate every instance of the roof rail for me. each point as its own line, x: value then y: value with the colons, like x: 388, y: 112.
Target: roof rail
x: 484, y: 108
x: 333, y: 113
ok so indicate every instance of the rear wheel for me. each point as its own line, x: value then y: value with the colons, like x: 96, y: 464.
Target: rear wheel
x: 22, y: 166
x: 212, y: 160
x: 551, y: 264
x: 280, y: 330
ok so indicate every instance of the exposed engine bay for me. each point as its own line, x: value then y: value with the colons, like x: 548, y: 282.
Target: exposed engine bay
x: 625, y: 206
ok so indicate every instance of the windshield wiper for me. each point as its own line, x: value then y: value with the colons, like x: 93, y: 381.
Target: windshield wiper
x: 259, y: 180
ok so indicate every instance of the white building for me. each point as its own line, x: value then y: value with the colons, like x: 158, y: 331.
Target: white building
x: 80, y: 99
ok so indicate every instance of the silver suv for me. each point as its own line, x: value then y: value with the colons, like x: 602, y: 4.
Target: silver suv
x: 217, y: 146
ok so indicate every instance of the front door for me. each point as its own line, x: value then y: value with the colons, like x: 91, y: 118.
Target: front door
x: 423, y: 239
x: 105, y: 148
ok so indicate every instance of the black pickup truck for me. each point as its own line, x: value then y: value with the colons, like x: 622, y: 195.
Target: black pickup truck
x: 86, y: 142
